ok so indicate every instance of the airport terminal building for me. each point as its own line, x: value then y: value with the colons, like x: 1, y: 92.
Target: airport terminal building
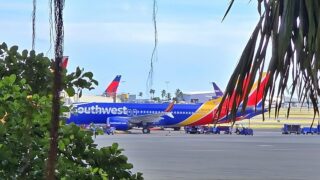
x: 197, y: 96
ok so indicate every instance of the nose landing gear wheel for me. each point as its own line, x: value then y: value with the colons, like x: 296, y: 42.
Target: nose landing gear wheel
x: 145, y: 130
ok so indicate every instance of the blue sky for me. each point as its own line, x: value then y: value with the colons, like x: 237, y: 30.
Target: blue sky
x: 111, y: 37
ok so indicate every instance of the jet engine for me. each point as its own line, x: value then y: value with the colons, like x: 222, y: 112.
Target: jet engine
x: 120, y: 123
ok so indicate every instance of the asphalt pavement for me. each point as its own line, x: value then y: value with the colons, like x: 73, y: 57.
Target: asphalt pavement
x: 266, y: 155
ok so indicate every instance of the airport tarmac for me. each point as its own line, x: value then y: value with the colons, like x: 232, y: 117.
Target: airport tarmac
x: 267, y: 155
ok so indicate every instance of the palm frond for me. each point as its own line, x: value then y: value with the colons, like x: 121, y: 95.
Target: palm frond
x: 292, y: 27
x: 34, y: 23
x: 229, y: 7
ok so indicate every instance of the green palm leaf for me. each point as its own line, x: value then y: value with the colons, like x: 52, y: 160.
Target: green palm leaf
x: 292, y: 27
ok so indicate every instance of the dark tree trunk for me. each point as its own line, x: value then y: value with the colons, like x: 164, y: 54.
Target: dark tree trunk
x: 52, y: 157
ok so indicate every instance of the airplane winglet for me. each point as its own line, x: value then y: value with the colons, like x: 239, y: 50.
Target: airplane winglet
x: 170, y: 107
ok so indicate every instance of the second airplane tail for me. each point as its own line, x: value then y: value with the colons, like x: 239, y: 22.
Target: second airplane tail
x: 111, y: 90
x: 217, y: 91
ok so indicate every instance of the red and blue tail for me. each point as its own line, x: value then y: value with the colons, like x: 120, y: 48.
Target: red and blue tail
x: 111, y: 90
x: 255, y: 97
x: 64, y: 62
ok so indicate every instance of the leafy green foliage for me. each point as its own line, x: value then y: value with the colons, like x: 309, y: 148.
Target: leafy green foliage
x: 37, y: 71
x: 163, y: 93
x: 152, y: 91
x: 80, y: 159
x: 25, y: 113
x: 23, y: 133
x: 156, y: 99
x: 29, y: 66
x: 79, y: 80
x: 178, y: 95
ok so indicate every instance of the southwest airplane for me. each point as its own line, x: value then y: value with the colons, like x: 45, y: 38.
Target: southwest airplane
x: 124, y: 116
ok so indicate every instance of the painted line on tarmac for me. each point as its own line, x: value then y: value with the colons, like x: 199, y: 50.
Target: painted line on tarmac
x: 265, y: 145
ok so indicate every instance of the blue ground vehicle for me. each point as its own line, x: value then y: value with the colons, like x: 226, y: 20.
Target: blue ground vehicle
x: 244, y: 131
x: 291, y: 128
x: 219, y: 129
x: 190, y: 129
x: 109, y: 130
x: 309, y: 130
x: 100, y: 128
x: 207, y: 129
x: 194, y: 129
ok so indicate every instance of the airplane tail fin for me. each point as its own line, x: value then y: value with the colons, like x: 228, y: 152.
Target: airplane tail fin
x: 111, y: 90
x: 217, y: 91
x: 255, y: 95
x: 257, y: 91
x: 64, y: 62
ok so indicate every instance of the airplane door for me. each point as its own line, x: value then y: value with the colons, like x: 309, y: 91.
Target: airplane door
x: 135, y: 112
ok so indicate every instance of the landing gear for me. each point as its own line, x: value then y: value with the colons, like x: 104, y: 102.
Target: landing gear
x: 145, y: 130
x: 176, y: 128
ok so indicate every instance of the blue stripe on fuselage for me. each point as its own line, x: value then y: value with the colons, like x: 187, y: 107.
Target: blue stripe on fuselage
x: 86, y: 113
x: 250, y: 111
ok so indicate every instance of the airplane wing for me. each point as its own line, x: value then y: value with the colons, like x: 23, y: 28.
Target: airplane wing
x: 151, y: 118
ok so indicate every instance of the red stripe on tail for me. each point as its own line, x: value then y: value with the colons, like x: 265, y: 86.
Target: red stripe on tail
x: 113, y: 87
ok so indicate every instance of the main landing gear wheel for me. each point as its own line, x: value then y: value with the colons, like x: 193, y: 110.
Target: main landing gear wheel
x: 145, y: 130
x: 176, y: 128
